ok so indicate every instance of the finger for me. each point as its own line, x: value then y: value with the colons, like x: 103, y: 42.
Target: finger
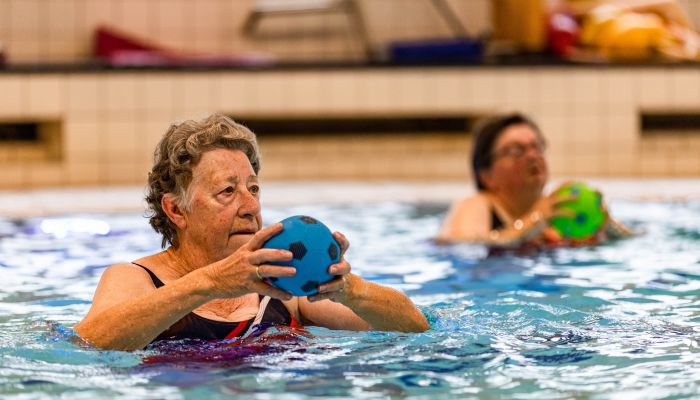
x: 319, y: 296
x: 563, y: 213
x: 264, y: 235
x: 268, y: 290
x: 332, y: 286
x: 261, y: 256
x: 559, y: 200
x: 342, y: 268
x: 564, y: 184
x: 275, y: 271
x: 342, y: 241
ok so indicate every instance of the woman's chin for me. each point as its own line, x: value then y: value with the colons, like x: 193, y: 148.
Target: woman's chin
x: 239, y: 239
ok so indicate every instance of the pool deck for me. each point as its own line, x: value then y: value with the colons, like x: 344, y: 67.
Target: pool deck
x: 56, y: 201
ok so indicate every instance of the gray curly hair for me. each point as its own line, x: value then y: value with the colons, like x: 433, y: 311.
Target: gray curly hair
x: 179, y: 151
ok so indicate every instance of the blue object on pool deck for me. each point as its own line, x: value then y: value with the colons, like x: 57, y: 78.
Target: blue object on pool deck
x: 436, y: 51
x: 314, y: 250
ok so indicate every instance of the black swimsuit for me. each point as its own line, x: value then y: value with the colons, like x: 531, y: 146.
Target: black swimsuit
x: 496, y: 222
x: 192, y: 326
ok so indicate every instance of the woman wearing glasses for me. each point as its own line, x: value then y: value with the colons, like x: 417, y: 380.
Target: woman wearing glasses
x: 510, y: 171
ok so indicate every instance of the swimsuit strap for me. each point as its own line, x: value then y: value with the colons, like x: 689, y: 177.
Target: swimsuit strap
x: 156, y: 281
x: 261, y: 311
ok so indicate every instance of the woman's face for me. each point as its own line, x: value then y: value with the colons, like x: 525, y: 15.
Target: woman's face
x: 225, y: 205
x: 517, y: 160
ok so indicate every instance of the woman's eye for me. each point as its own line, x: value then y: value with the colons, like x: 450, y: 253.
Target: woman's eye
x: 228, y: 190
x: 254, y: 189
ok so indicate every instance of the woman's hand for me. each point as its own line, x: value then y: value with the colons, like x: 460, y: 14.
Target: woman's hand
x: 342, y: 286
x: 243, y: 271
x: 548, y: 207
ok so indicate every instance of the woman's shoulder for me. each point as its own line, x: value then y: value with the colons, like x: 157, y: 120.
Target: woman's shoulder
x: 478, y: 200
x: 125, y: 270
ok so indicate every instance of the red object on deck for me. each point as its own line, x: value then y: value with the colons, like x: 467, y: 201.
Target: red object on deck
x: 563, y: 34
x: 121, y: 49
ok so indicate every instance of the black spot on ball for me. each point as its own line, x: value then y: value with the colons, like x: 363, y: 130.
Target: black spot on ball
x: 308, y: 220
x: 298, y: 250
x: 310, y: 286
x: 333, y: 251
x: 272, y: 279
x: 581, y: 218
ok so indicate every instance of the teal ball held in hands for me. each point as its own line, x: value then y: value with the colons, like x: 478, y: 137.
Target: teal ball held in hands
x: 314, y: 249
x: 588, y: 215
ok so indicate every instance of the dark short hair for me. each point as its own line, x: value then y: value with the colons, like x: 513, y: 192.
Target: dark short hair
x: 486, y: 132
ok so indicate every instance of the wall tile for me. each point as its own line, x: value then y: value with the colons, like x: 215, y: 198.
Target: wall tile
x: 46, y: 95
x: 100, y: 12
x: 653, y: 89
x: 119, y: 137
x: 13, y: 175
x: 620, y: 86
x: 413, y: 87
x: 13, y: 98
x: 86, y: 94
x: 45, y: 174
x: 199, y: 92
x: 84, y: 173
x: 120, y: 93
x: 304, y: 93
x: 156, y: 93
x: 685, y: 88
x: 688, y: 164
x: 83, y: 141
x: 139, y: 19
x: 586, y: 87
x: 236, y: 94
x: 62, y: 16
x: 28, y: 16
x: 449, y: 91
x: 120, y: 169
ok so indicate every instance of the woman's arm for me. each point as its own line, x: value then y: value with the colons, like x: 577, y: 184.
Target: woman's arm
x: 363, y: 305
x: 350, y: 302
x: 128, y: 312
x: 470, y: 221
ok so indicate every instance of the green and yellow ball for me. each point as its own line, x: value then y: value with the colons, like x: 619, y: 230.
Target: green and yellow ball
x: 588, y: 214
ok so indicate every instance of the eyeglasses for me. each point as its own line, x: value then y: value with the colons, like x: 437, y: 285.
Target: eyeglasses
x: 517, y: 150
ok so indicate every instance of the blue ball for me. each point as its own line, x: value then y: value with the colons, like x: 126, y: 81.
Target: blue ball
x: 314, y: 250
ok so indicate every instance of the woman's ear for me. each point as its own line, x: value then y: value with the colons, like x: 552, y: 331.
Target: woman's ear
x: 486, y: 178
x: 173, y: 211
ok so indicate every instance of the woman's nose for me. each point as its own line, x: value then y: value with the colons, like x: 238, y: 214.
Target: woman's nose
x: 250, y: 204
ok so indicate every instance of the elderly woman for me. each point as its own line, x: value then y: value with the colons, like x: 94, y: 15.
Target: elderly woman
x: 509, y: 208
x: 209, y: 282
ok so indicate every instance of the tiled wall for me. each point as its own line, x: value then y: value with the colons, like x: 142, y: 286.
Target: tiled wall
x: 111, y: 121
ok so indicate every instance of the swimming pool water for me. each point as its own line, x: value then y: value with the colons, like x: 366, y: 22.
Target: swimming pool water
x: 615, y: 321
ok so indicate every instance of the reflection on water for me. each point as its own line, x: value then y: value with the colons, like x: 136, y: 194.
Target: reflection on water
x: 619, y: 320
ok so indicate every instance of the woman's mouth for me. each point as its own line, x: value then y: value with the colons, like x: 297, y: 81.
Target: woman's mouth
x: 243, y: 232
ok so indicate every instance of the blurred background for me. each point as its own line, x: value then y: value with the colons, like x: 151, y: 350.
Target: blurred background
x: 343, y: 90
